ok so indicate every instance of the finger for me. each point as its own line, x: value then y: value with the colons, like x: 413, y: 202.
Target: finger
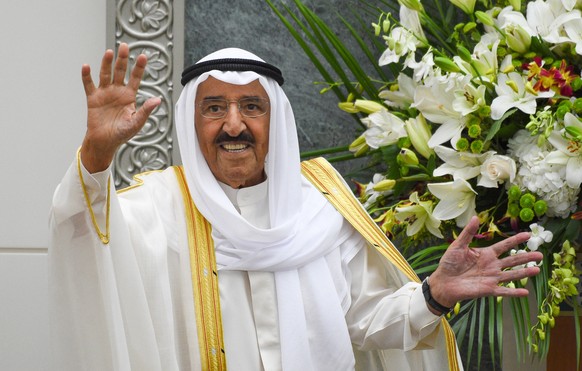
x: 508, y: 243
x: 510, y: 292
x: 520, y: 259
x: 121, y: 64
x: 517, y: 274
x: 146, y: 109
x: 88, y: 84
x: 137, y: 72
x: 467, y: 233
x: 105, y: 72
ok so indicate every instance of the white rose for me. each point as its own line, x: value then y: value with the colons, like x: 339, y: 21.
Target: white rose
x: 495, y: 170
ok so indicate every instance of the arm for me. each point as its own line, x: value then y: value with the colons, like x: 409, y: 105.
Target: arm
x: 87, y: 274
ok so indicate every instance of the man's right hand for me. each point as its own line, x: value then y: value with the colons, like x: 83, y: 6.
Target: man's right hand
x: 112, y: 116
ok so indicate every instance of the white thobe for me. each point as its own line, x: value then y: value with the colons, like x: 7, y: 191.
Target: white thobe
x: 128, y: 305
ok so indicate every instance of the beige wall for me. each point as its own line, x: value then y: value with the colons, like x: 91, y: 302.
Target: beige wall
x: 44, y: 44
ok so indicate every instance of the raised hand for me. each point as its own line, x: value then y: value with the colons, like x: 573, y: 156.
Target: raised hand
x: 112, y: 115
x: 468, y: 273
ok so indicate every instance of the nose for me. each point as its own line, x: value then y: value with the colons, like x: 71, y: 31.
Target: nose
x: 233, y: 121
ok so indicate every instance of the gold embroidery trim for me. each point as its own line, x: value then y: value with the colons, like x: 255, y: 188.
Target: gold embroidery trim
x: 324, y: 177
x: 104, y: 237
x: 138, y: 181
x: 204, y: 283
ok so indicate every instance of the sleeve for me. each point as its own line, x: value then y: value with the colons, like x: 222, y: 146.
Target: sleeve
x: 98, y: 311
x: 382, y: 314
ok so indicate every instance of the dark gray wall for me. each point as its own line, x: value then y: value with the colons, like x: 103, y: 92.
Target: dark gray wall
x: 252, y: 25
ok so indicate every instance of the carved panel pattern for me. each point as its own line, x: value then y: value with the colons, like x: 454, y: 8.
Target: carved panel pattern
x: 147, y: 26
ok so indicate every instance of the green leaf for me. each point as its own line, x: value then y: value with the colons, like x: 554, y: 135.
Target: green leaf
x: 497, y: 125
x: 482, y: 302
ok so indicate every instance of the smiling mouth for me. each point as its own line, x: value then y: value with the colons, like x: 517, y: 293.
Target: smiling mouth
x: 234, y: 148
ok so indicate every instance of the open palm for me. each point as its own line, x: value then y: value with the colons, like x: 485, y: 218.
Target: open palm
x: 467, y: 273
x: 112, y: 116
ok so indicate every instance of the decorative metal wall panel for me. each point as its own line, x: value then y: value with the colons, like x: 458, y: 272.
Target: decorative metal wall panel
x: 148, y: 27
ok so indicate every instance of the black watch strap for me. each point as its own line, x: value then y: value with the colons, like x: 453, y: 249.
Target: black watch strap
x: 430, y: 300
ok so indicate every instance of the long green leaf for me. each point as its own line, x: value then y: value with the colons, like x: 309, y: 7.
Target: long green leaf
x: 518, y: 328
x: 471, y: 334
x: 491, y: 327
x: 499, y: 329
x: 310, y: 54
x: 347, y: 57
x: 318, y: 38
x: 366, y: 50
x: 482, y: 312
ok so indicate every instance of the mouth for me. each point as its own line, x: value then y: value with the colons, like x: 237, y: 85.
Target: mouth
x: 234, y: 147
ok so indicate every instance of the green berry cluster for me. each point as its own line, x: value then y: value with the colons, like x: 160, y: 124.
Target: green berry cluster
x: 561, y: 286
x: 524, y: 205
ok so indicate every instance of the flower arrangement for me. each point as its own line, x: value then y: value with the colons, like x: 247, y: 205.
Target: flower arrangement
x: 479, y: 114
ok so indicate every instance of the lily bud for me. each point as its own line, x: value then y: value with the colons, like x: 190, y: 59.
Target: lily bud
x: 515, y: 4
x: 467, y: 6
x: 407, y: 157
x: 419, y: 135
x: 359, y: 146
x: 348, y: 107
x: 464, y: 53
x: 367, y: 106
x: 386, y: 25
x: 485, y: 18
x: 384, y: 185
x: 412, y: 4
x: 446, y: 64
x: 376, y: 29
x: 518, y: 39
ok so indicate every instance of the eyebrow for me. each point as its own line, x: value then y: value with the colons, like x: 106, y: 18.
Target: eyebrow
x: 222, y: 97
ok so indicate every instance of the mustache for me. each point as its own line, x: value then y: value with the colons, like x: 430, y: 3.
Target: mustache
x: 245, y: 136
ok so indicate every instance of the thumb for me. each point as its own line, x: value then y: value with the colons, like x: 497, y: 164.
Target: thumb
x: 467, y: 234
x: 146, y: 109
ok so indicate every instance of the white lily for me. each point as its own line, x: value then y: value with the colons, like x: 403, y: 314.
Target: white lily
x: 569, y: 152
x: 400, y: 42
x: 409, y: 18
x: 538, y: 236
x: 574, y: 31
x: 547, y: 18
x: 404, y: 96
x: 435, y: 102
x: 461, y: 165
x: 457, y: 201
x: 512, y: 93
x: 423, y: 69
x: 469, y: 99
x: 373, y: 191
x: 384, y: 128
x: 484, y: 59
x: 418, y: 214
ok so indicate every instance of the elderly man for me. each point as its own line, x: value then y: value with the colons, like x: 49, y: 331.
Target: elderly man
x: 237, y: 259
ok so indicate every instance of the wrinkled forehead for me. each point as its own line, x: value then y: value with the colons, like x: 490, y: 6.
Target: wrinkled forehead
x: 215, y: 88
